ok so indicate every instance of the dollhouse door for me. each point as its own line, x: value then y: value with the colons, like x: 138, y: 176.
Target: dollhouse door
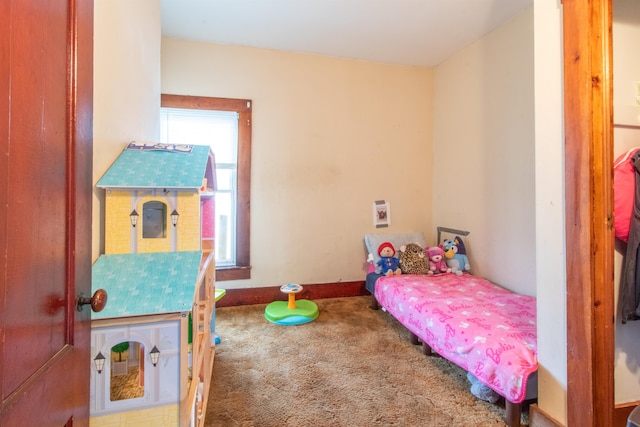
x: 46, y: 78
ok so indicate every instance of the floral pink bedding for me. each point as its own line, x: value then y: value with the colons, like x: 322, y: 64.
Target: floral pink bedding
x: 481, y: 327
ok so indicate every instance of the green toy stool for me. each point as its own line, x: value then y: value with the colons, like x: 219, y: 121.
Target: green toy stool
x: 291, y: 312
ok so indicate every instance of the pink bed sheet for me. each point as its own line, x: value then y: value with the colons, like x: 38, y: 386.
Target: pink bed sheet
x: 480, y: 326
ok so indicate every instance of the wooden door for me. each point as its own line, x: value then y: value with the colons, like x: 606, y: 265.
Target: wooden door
x: 46, y: 79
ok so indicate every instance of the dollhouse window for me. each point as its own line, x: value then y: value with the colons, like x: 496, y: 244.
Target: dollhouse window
x: 127, y: 371
x: 154, y: 220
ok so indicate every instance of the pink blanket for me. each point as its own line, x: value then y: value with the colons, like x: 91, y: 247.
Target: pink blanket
x: 481, y: 327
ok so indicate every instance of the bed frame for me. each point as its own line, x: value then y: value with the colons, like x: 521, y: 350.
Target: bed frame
x: 513, y: 410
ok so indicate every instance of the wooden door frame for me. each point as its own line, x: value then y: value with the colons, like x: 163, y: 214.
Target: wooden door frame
x: 588, y: 105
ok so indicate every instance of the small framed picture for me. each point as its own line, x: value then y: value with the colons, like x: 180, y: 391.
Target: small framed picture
x: 381, y: 214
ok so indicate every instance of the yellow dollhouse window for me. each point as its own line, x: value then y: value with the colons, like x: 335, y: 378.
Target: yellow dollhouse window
x: 154, y: 220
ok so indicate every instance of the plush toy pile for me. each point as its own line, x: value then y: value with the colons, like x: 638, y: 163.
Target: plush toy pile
x: 414, y: 258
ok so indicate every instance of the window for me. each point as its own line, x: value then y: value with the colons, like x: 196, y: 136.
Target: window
x: 154, y: 223
x: 225, y: 125
x: 127, y: 371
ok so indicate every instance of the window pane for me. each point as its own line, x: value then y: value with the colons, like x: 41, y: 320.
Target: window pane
x: 225, y: 179
x: 203, y: 127
x: 219, y: 130
x: 227, y: 130
x: 225, y: 224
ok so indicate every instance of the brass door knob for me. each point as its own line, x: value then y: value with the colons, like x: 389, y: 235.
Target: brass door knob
x: 97, y: 301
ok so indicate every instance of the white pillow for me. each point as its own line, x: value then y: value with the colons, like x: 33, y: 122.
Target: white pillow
x: 373, y: 241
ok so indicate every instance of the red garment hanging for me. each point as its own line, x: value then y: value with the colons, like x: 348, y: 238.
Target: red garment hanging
x: 623, y: 193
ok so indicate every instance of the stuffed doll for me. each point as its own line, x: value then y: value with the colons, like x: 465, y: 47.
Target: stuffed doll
x: 436, y: 259
x: 413, y: 259
x: 456, y: 255
x: 388, y: 263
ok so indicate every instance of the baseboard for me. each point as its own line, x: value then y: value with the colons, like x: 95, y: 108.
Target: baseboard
x: 538, y: 418
x: 621, y: 412
x: 248, y: 296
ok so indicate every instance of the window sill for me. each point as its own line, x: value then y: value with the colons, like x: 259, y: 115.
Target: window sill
x: 233, y: 273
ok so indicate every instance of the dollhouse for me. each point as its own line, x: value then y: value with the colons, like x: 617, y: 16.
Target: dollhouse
x: 152, y: 346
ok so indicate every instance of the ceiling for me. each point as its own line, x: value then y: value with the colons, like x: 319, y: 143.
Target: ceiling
x: 407, y: 32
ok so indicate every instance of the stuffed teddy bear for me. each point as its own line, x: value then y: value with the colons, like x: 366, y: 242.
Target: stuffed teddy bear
x: 456, y: 255
x: 388, y: 263
x: 436, y: 259
x: 413, y: 259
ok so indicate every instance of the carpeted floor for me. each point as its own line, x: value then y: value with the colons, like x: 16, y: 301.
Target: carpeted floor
x: 352, y: 366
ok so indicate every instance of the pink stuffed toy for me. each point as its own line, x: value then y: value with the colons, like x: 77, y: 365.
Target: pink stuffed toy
x: 436, y: 257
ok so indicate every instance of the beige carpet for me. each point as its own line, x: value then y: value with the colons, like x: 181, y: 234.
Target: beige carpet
x: 352, y: 366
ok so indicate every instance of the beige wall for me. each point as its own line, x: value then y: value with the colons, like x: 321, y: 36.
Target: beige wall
x: 549, y: 199
x: 330, y: 136
x: 483, y: 172
x: 126, y: 103
x: 626, y: 33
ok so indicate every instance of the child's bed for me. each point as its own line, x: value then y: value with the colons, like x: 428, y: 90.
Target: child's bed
x: 481, y: 327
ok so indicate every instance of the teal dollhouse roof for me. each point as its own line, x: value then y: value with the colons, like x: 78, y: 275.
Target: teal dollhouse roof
x: 146, y: 283
x: 166, y: 166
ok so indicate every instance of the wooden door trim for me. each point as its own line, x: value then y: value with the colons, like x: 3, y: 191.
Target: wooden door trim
x: 588, y: 101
